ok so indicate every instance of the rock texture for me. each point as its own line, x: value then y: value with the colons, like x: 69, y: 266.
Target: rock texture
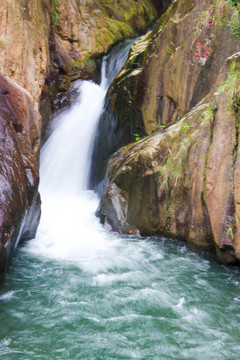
x: 24, y: 49
x: 82, y: 31
x: 181, y: 181
x: 19, y: 145
x: 168, y: 72
x: 45, y: 44
x: 60, y: 40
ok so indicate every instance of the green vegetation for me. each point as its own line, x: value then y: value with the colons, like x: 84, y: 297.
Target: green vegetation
x: 230, y: 232
x: 160, y: 125
x: 235, y: 3
x: 137, y: 137
x: 233, y: 24
x: 184, y: 128
x: 208, y: 115
x: 173, y: 170
x: 214, y: 15
x: 55, y: 12
x: 230, y: 87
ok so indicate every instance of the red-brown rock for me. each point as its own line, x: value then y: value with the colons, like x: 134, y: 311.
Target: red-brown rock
x: 19, y: 146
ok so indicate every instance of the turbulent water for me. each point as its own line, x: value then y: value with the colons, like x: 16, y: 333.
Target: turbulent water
x: 80, y: 291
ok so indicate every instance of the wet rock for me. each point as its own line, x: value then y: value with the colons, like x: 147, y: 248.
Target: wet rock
x: 183, y: 182
x: 168, y: 72
x: 45, y: 45
x: 19, y: 146
x: 80, y: 34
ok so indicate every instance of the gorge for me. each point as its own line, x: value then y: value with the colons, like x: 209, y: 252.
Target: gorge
x: 157, y: 144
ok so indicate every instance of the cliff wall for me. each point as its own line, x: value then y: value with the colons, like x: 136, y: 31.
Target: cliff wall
x: 44, y: 45
x: 183, y: 88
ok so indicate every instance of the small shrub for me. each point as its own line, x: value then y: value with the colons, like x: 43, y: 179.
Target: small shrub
x: 137, y: 137
x: 230, y: 87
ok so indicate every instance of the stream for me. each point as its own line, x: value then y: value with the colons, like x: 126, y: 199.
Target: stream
x: 80, y: 291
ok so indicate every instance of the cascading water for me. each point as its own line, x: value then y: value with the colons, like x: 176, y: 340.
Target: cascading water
x: 69, y: 229
x: 66, y: 156
x: 80, y: 292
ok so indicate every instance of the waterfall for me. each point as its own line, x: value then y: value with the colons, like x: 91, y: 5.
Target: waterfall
x: 66, y: 156
x: 68, y: 228
x: 77, y: 291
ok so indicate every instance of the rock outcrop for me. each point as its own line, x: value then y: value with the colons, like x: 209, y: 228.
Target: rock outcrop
x: 45, y: 44
x: 183, y: 84
x: 81, y: 33
x: 24, y: 49
x: 168, y: 72
x: 19, y: 146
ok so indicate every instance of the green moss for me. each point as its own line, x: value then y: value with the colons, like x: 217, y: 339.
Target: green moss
x: 88, y: 65
x: 103, y: 37
x: 119, y: 30
x: 165, y: 17
x: 135, y: 13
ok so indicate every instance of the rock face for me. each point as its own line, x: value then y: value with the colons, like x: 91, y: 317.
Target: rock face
x: 168, y: 72
x: 82, y: 31
x: 19, y: 145
x: 45, y: 44
x: 182, y: 181
x: 24, y: 57
x: 24, y: 50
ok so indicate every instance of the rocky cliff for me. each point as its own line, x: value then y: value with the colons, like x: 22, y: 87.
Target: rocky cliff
x: 45, y: 44
x: 19, y: 198
x: 81, y: 32
x: 181, y: 84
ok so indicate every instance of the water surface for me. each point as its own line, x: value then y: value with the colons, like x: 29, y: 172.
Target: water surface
x: 145, y: 299
x: 80, y: 291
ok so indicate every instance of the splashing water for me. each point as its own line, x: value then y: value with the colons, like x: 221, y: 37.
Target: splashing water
x: 78, y: 291
x: 69, y: 229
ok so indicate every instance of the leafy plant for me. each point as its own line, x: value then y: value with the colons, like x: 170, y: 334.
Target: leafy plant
x: 235, y: 3
x: 173, y: 169
x: 230, y: 87
x: 208, y: 115
x: 205, y: 19
x: 233, y: 25
x: 165, y: 184
x: 184, y: 128
x: 137, y: 137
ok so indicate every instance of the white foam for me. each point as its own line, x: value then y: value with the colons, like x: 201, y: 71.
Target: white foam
x: 69, y: 230
x: 8, y: 295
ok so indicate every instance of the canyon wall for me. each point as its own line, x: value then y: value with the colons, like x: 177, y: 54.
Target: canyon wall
x: 178, y: 94
x: 46, y: 44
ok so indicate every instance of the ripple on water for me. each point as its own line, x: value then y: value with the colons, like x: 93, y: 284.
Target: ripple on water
x: 145, y: 307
